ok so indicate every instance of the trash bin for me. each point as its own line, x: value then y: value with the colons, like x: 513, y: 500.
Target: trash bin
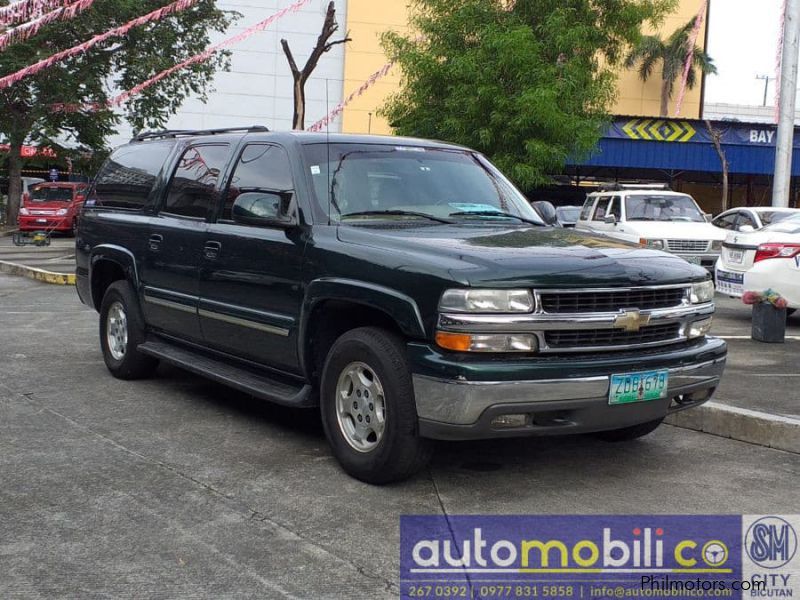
x: 769, y: 323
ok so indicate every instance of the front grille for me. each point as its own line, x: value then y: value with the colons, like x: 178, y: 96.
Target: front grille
x: 688, y: 245
x: 592, y: 302
x: 590, y: 338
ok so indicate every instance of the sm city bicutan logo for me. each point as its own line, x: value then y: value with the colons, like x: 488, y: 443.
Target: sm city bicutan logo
x: 642, y: 550
x: 771, y: 542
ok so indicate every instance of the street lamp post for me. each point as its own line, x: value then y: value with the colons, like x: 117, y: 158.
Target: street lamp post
x: 788, y: 101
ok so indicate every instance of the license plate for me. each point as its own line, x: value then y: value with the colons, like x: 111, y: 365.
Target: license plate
x: 638, y: 387
x: 41, y: 220
x: 695, y: 260
x: 735, y: 257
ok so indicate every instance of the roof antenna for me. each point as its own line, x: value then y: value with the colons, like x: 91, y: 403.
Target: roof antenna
x: 328, y: 148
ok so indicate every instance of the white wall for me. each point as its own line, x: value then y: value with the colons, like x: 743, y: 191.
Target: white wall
x: 258, y: 88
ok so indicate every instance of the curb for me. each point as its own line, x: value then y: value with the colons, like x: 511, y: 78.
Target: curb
x: 8, y: 233
x: 37, y: 274
x: 763, y: 429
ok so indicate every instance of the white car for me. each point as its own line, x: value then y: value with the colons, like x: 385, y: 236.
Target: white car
x: 656, y: 218
x: 746, y: 219
x: 763, y: 259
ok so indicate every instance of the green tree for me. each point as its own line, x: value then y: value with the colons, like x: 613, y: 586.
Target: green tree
x: 529, y: 82
x: 26, y: 114
x: 671, y: 54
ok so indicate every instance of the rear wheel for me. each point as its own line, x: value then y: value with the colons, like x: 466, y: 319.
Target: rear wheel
x: 368, y: 408
x: 121, y: 332
x: 627, y: 434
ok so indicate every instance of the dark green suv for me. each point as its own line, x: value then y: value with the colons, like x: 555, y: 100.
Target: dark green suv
x: 403, y: 286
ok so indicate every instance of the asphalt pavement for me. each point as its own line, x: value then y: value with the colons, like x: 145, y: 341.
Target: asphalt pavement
x: 177, y: 487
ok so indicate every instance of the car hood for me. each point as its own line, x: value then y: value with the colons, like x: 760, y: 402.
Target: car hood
x: 676, y: 231
x: 511, y: 256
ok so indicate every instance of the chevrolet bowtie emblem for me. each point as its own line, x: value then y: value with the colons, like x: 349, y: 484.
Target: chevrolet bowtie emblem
x: 631, y: 320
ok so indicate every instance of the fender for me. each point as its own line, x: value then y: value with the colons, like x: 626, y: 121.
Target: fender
x: 398, y: 306
x: 116, y: 254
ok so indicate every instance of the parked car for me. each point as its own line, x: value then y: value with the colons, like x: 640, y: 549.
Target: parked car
x: 568, y: 215
x: 752, y: 218
x: 764, y: 259
x: 656, y: 218
x: 405, y: 287
x: 52, y: 207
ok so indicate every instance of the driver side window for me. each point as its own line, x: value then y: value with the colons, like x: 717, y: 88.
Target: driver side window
x: 260, y: 168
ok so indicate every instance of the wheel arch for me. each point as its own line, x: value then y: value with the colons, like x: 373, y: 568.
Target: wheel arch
x: 333, y: 307
x: 110, y: 263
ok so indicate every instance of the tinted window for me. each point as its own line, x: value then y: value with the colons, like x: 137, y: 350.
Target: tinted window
x: 727, y: 221
x: 128, y: 176
x: 261, y: 168
x: 192, y: 191
x: 746, y: 219
x: 602, y: 209
x: 587, y: 209
x: 50, y: 194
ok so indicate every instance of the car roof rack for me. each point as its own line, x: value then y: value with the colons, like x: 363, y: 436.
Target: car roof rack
x: 619, y: 187
x: 174, y: 133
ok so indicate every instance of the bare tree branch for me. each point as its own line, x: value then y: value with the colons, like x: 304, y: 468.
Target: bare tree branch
x: 301, y: 76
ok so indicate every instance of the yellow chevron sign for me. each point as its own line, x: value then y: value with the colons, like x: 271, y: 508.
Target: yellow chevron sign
x: 659, y: 130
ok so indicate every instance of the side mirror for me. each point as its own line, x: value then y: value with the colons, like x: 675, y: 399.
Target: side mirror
x: 708, y: 217
x: 610, y: 219
x: 264, y: 209
x: 547, y: 211
x: 745, y: 229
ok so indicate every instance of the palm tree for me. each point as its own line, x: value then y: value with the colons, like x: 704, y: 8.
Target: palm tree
x: 672, y: 54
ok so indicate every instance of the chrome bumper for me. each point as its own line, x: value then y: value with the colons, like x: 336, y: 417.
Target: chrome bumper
x: 461, y: 403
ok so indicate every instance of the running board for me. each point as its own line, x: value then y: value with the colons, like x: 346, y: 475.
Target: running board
x: 260, y: 386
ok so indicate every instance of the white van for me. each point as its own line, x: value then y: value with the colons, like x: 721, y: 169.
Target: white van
x: 655, y: 217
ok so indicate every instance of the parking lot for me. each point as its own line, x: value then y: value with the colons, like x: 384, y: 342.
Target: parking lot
x: 177, y: 487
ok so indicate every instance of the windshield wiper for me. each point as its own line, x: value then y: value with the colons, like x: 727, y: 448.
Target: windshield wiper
x: 493, y: 213
x: 397, y: 213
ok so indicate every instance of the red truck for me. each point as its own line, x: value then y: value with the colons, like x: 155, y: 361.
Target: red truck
x: 52, y: 207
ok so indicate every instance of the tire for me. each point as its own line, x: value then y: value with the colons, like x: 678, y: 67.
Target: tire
x: 119, y: 312
x: 375, y: 442
x: 626, y: 434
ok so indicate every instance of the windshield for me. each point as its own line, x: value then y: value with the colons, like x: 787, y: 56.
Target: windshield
x: 788, y: 225
x: 410, y: 182
x: 569, y: 214
x: 663, y: 208
x: 48, y: 194
x: 770, y: 217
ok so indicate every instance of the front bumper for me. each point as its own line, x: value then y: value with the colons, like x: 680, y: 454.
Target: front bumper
x: 560, y: 395
x: 39, y: 223
x: 708, y: 261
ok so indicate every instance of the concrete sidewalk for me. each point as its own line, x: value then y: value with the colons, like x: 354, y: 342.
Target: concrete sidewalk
x: 58, y: 258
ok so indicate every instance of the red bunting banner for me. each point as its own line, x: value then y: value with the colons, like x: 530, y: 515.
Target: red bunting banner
x: 20, y: 12
x: 150, y: 17
x: 202, y: 57
x: 27, y: 30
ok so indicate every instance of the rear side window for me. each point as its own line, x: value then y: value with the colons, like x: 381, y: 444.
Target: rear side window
x: 727, y: 221
x: 193, y: 189
x: 129, y: 175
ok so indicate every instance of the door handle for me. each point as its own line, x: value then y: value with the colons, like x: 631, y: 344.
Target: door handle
x: 211, y: 250
x: 155, y: 242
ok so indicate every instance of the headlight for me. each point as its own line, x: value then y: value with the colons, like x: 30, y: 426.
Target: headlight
x: 487, y: 301
x: 62, y: 211
x: 699, y: 329
x: 716, y: 246
x: 702, y: 292
x: 499, y: 343
x: 24, y: 211
x: 654, y: 244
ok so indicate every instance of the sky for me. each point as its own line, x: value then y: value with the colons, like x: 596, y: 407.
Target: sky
x: 743, y: 41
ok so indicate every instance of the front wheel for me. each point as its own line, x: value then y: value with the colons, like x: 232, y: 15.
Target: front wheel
x: 627, y: 434
x: 368, y: 408
x: 121, y: 332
